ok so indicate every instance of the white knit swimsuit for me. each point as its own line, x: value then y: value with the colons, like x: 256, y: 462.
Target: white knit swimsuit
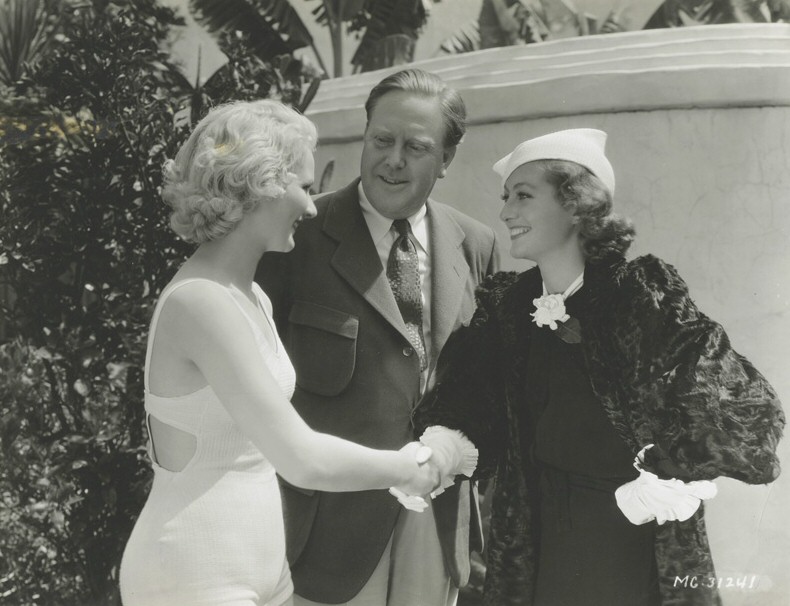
x: 211, y: 533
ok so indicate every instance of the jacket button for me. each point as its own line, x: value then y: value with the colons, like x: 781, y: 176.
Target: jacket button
x: 407, y: 351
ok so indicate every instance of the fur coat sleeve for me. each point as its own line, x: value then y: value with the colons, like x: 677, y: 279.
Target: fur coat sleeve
x: 468, y: 392
x: 705, y: 407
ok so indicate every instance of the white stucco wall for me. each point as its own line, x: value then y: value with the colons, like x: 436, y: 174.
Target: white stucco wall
x: 699, y: 135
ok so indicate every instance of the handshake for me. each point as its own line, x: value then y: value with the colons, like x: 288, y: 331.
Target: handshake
x: 440, y: 455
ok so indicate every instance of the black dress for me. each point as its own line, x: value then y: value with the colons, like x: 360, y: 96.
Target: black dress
x: 589, y: 553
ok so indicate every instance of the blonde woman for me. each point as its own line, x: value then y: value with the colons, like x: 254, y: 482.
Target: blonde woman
x: 218, y: 380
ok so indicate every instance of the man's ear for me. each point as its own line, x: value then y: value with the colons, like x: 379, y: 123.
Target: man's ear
x: 447, y: 157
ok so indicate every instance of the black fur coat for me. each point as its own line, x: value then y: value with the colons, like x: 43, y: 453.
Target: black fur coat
x: 665, y: 374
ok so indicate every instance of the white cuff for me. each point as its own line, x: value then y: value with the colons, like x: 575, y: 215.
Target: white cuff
x: 453, y: 452
x: 649, y: 498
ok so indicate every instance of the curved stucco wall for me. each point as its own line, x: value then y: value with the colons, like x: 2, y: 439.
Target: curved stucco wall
x: 699, y: 135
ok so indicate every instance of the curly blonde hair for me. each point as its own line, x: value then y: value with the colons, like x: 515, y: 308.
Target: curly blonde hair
x: 238, y: 155
x: 579, y: 191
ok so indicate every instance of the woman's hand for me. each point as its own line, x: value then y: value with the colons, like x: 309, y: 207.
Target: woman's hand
x: 425, y: 476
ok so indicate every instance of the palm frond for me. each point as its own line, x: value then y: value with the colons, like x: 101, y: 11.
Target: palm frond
x: 465, y: 40
x: 25, y: 33
x: 388, y: 26
x: 309, y: 95
x: 326, y: 177
x: 338, y: 11
x: 677, y: 13
x: 272, y: 27
x: 287, y: 21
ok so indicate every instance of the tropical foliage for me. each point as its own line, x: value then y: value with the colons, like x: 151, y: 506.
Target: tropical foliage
x: 27, y: 29
x: 677, y: 13
x: 513, y: 22
x: 83, y: 248
x: 387, y: 30
x: 86, y: 122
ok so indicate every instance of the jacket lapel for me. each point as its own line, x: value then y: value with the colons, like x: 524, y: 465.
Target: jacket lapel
x: 449, y: 271
x: 356, y: 258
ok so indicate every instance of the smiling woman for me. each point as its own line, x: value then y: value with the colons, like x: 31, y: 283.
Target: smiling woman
x: 218, y: 381
x: 237, y: 158
x: 539, y: 227
x: 599, y: 397
x: 276, y: 220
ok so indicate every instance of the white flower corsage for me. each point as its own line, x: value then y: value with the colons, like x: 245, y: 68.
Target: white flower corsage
x: 549, y: 309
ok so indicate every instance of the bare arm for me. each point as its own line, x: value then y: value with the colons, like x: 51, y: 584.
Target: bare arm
x: 213, y: 334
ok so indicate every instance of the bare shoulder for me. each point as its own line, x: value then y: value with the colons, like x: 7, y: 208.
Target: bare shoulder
x: 198, y: 301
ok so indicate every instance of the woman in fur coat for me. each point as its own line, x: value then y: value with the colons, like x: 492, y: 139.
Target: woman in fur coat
x: 599, y: 398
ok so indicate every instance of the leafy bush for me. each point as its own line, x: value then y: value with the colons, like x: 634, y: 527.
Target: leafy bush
x: 84, y: 244
x: 84, y: 250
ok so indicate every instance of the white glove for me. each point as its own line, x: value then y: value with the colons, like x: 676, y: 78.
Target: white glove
x: 412, y: 502
x: 649, y: 498
x: 452, y: 452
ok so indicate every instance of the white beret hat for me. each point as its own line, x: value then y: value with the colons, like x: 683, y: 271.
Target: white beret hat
x: 584, y: 146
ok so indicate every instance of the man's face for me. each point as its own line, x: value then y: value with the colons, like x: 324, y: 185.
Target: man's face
x: 403, y: 153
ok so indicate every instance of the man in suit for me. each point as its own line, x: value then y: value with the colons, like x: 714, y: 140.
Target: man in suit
x: 364, y: 304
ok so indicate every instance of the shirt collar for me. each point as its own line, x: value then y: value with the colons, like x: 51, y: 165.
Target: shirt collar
x: 379, y: 225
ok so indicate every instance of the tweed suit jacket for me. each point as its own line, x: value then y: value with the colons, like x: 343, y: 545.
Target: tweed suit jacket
x: 358, y: 378
x: 664, y: 373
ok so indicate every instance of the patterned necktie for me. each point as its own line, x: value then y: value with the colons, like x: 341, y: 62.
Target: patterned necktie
x: 403, y: 272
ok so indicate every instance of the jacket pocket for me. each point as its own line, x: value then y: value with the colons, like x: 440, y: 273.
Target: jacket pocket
x: 322, y: 344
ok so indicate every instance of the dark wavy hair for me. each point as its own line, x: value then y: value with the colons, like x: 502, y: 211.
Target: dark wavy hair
x: 602, y: 232
x: 425, y: 84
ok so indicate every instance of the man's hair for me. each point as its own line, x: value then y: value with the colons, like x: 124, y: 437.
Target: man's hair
x: 425, y: 84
